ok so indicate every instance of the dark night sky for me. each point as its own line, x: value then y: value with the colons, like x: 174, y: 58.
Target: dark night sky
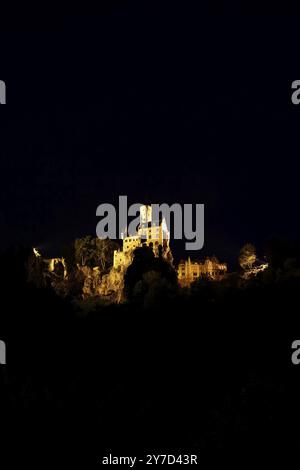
x: 162, y: 104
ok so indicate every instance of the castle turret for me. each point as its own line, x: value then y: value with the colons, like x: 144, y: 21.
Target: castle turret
x: 145, y: 214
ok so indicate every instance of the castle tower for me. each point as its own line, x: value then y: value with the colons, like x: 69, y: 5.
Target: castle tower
x: 145, y: 214
x: 152, y: 233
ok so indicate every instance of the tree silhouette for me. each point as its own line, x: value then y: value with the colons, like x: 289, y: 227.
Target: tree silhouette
x: 148, y: 273
x: 93, y: 252
x: 247, y: 256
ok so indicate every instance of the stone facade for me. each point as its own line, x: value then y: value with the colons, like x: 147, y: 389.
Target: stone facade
x: 189, y: 271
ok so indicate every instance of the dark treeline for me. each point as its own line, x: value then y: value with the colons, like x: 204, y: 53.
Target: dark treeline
x: 205, y: 370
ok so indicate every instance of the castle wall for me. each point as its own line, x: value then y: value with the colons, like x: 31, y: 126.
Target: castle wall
x: 189, y: 271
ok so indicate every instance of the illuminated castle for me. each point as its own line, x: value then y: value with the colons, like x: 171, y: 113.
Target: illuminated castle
x: 151, y: 233
x: 110, y: 285
x: 155, y: 234
x: 189, y: 271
